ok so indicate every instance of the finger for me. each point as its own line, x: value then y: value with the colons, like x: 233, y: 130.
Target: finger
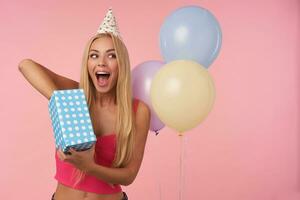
x: 69, y: 161
x: 61, y: 155
x: 65, y: 156
x: 72, y: 151
x: 68, y: 157
x: 92, y: 148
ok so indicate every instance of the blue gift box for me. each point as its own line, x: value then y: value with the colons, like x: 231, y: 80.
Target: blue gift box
x: 71, y: 120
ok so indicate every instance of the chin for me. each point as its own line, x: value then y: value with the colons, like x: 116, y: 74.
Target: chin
x: 103, y: 89
x: 106, y: 89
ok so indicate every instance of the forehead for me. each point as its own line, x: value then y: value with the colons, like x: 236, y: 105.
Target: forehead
x: 102, y: 43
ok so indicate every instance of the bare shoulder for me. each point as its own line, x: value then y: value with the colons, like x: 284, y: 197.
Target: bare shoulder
x: 142, y: 119
x: 143, y: 111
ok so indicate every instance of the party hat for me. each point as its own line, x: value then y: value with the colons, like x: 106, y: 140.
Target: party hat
x: 109, y: 24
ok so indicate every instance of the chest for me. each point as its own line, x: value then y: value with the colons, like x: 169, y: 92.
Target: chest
x: 103, y: 120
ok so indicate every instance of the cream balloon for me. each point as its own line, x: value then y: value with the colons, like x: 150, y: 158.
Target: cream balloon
x: 182, y: 94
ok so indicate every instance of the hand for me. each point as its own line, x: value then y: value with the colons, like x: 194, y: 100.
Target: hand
x: 83, y: 160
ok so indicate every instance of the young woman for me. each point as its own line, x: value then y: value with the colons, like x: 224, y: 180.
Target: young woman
x: 120, y: 122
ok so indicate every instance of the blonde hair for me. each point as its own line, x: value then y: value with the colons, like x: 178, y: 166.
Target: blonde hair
x: 125, y: 128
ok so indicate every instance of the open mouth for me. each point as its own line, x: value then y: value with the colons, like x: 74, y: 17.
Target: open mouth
x: 102, y: 75
x: 102, y: 78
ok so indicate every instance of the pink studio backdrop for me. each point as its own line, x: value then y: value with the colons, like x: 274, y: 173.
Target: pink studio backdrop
x: 247, y: 148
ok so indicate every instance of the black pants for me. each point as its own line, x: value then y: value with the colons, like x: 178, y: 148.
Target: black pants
x: 124, y: 196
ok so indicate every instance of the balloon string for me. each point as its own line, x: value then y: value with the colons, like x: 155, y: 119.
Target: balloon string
x: 158, y: 181
x: 181, y: 175
x: 159, y: 188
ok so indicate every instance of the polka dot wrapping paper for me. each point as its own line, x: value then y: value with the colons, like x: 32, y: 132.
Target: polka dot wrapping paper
x: 71, y: 120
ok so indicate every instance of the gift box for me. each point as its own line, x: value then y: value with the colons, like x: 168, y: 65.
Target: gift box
x: 71, y: 120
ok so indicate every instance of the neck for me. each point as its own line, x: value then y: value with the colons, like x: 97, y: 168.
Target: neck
x: 105, y: 99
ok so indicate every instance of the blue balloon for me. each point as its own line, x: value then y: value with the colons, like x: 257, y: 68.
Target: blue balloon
x: 191, y: 33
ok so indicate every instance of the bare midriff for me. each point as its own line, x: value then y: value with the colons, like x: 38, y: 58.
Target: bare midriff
x: 66, y: 193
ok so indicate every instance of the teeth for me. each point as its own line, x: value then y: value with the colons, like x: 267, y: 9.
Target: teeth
x: 102, y: 73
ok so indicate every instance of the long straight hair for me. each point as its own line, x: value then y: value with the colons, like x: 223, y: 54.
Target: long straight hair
x: 125, y: 128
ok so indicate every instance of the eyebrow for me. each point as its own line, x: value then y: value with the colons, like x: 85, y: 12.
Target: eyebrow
x: 109, y: 50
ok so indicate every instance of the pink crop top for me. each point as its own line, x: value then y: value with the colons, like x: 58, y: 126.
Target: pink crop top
x: 104, y: 155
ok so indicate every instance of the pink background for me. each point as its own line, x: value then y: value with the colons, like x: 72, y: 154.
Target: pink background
x: 248, y: 147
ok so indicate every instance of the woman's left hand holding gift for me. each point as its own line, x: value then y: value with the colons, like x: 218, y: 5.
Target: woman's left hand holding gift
x: 83, y: 160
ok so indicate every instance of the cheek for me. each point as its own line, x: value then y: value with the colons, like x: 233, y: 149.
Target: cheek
x: 115, y: 66
x: 116, y: 71
x: 90, y: 63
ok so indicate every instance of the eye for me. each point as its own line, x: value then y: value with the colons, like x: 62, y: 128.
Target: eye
x: 93, y: 55
x: 112, y: 55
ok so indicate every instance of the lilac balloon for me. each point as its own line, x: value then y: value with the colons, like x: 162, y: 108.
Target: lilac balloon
x: 142, y: 76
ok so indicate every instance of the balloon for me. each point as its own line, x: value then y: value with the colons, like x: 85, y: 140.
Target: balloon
x: 142, y: 76
x: 182, y: 94
x: 191, y: 33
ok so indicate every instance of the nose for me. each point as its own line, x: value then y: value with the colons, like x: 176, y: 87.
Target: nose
x: 101, y: 61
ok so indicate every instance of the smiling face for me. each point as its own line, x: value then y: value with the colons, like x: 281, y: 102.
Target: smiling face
x: 102, y: 64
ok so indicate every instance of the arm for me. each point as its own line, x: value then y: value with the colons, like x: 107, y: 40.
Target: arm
x: 44, y: 80
x: 126, y: 175
x: 84, y: 160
